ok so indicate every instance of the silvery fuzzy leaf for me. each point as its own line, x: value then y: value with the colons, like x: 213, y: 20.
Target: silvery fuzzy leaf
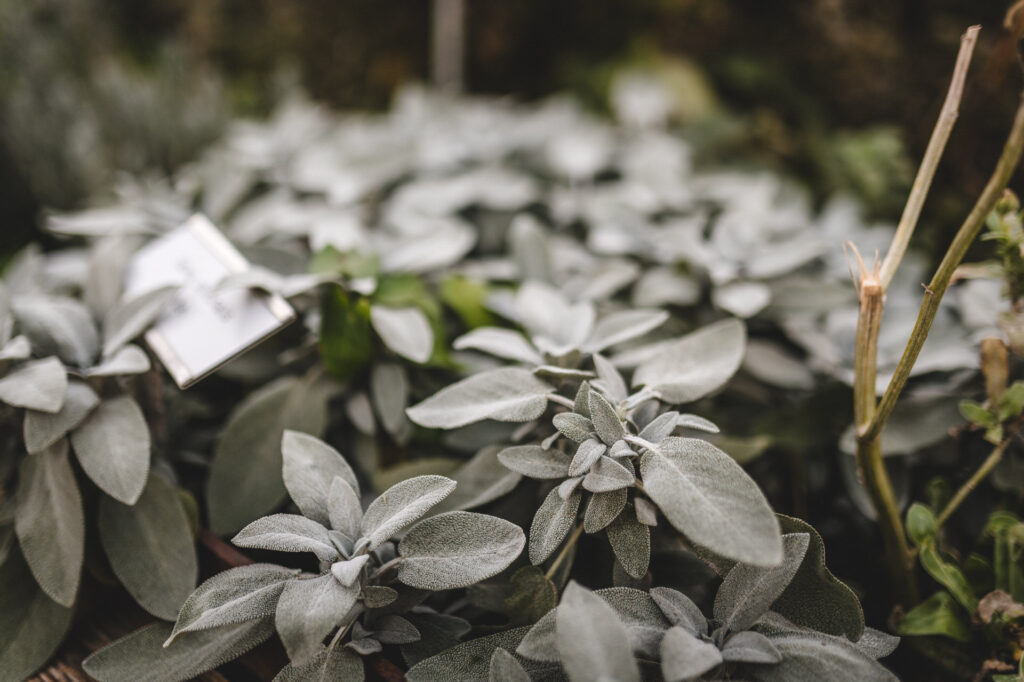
x: 749, y: 591
x: 389, y: 388
x: 307, y: 610
x: 139, y: 657
x: 98, y: 222
x: 18, y: 348
x: 620, y: 448
x: 876, y: 644
x: 104, y: 279
x: 505, y: 668
x: 150, y: 547
x: 113, y: 447
x: 50, y: 524
x: 339, y: 663
x: 773, y: 260
x: 470, y: 661
x: 309, y: 469
x: 581, y: 403
x: 607, y: 474
x: 685, y: 657
x: 36, y: 385
x: 742, y: 299
x: 612, y: 384
x: 631, y: 542
x: 31, y: 624
x: 438, y: 633
x: 606, y: 420
x: 750, y: 647
x: 692, y: 421
x: 566, y: 487
x: 535, y: 462
x: 126, y: 360
x: 347, y: 571
x: 603, y: 508
x: 646, y: 513
x: 401, y: 504
x: 378, y: 596
x: 680, y: 610
x: 344, y: 512
x: 641, y: 616
x: 506, y: 394
x: 808, y: 657
x: 393, y: 629
x: 573, y: 426
x: 915, y: 424
x: 588, y: 452
x: 767, y: 362
x: 43, y: 429
x: 711, y: 500
x: 622, y: 326
x: 561, y: 373
x: 443, y: 242
x: 237, y: 595
x: 555, y: 325
x: 360, y: 413
x: 528, y: 245
x: 287, y: 533
x: 131, y: 317
x: 592, y: 642
x: 481, y: 480
x: 539, y: 644
x: 552, y: 522
x: 57, y: 325
x: 660, y: 428
x: 664, y: 286
x: 503, y: 343
x: 406, y: 331
x: 245, y: 479
x: 457, y: 549
x: 695, y: 365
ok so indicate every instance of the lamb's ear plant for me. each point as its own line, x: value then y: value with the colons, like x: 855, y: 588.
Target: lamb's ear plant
x: 367, y: 591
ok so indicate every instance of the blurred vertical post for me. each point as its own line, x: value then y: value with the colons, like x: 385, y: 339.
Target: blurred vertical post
x: 448, y: 44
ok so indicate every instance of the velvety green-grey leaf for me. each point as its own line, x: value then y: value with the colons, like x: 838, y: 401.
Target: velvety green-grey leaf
x: 141, y: 657
x: 606, y: 420
x: 505, y: 668
x: 150, y: 547
x: 680, y: 610
x: 481, y: 480
x: 877, y: 644
x: 43, y: 429
x: 551, y: 524
x: 126, y: 360
x: 37, y: 385
x: 401, y: 504
x: 603, y: 508
x: 287, y: 533
x: 377, y: 596
x: 607, y: 474
x: 343, y: 509
x: 58, y: 325
x: 457, y: 549
x: 539, y: 643
x: 307, y: 610
x: 112, y: 446
x: 588, y: 452
x: 660, y: 428
x: 749, y: 591
x: 438, y: 632
x: 246, y: 472
x: 309, y: 467
x: 507, y: 394
x: 237, y: 595
x: 685, y: 657
x: 339, y: 663
x: 611, y: 382
x: 504, y: 343
x: 535, y: 462
x: 573, y: 426
x: 49, y: 522
x: 692, y: 421
x: 631, y: 542
x: 695, y: 365
x: 129, y: 318
x: 814, y: 585
x: 31, y: 624
x: 623, y: 326
x: 711, y: 500
x: 347, y: 572
x: 469, y: 661
x: 640, y: 614
x: 592, y: 642
x: 394, y: 629
x: 646, y: 513
x: 809, y: 658
x: 581, y: 403
x: 750, y: 647
x: 18, y: 348
x: 389, y: 388
x: 532, y: 595
x: 568, y: 486
x: 406, y: 331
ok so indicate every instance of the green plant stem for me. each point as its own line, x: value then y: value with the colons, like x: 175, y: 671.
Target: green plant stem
x: 930, y: 161
x: 935, y: 290
x: 971, y: 483
x: 565, y: 551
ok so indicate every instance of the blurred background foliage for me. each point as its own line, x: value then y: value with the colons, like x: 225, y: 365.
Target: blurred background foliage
x: 842, y: 93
